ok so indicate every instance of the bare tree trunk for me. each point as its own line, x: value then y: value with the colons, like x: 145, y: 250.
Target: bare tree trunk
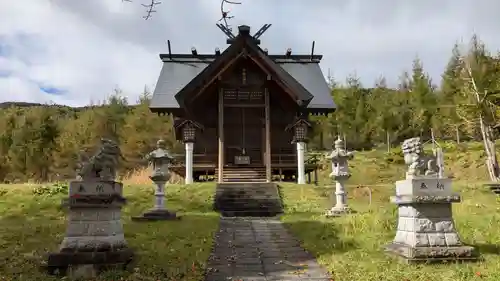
x: 489, y: 147
x: 486, y: 133
x: 457, y: 132
x: 388, y: 137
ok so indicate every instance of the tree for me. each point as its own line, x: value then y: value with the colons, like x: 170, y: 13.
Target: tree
x: 141, y: 131
x: 33, y: 139
x: 422, y: 100
x: 481, y: 74
x: 449, y: 95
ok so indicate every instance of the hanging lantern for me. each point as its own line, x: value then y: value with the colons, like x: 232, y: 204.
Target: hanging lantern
x: 189, y: 133
x: 299, y: 127
x: 300, y: 132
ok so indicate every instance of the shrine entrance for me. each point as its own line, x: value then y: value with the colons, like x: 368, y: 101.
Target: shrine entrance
x: 244, y: 132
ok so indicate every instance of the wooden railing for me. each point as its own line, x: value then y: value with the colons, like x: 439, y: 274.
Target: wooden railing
x: 201, y: 158
x: 283, y: 158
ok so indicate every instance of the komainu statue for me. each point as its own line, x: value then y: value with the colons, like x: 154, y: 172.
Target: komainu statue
x: 103, y: 164
x: 419, y: 163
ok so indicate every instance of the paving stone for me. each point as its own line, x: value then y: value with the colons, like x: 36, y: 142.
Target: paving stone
x: 260, y: 249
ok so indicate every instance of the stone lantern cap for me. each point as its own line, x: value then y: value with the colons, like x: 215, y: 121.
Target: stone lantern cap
x: 339, y: 152
x: 160, y: 152
x: 160, y: 159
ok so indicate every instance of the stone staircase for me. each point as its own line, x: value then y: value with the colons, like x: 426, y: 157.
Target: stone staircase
x: 243, y: 174
x: 250, y: 199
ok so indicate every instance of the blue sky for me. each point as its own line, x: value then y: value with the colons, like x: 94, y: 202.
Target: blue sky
x: 76, y: 52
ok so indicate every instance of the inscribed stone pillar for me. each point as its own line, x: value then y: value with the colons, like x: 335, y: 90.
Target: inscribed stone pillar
x: 426, y: 230
x: 94, y: 236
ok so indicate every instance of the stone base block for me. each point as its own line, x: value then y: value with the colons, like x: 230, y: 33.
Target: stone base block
x: 157, y: 215
x: 87, y: 264
x: 432, y: 254
x: 337, y: 212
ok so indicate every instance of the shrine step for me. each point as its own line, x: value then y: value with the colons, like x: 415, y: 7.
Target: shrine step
x: 248, y: 199
x: 243, y: 174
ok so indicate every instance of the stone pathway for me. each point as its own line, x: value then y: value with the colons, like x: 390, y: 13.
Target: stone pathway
x: 259, y: 249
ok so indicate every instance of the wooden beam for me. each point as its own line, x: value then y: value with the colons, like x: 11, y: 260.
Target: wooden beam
x: 243, y: 105
x: 221, y: 135
x: 219, y: 73
x: 268, y: 135
x: 285, y: 87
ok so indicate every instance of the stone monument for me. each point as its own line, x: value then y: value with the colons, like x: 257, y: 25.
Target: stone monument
x: 426, y: 231
x: 340, y: 174
x: 159, y: 159
x: 94, y: 237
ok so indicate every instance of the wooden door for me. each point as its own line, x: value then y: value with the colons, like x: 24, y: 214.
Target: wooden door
x: 243, y: 134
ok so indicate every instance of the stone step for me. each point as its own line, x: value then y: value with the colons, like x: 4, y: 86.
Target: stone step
x: 248, y: 199
x: 256, y: 180
x: 243, y: 174
x: 245, y: 171
x: 244, y: 186
x: 251, y: 213
x: 260, y: 198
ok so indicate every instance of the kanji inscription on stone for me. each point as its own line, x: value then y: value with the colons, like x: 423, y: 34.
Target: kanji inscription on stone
x: 423, y: 186
x: 440, y: 186
x: 99, y: 188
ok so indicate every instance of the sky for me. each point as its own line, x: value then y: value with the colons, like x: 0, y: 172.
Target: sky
x: 75, y: 52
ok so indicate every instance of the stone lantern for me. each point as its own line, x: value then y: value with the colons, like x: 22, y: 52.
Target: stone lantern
x: 340, y: 174
x: 300, y: 128
x: 160, y: 160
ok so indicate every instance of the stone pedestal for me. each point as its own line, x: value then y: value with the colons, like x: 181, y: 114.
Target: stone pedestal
x: 341, y: 206
x: 426, y: 231
x: 94, y: 237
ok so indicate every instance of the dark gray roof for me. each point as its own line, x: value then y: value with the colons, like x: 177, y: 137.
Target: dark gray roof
x: 176, y: 73
x: 173, y: 77
x: 311, y: 77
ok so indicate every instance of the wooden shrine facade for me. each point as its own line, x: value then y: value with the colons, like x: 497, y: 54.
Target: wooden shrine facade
x: 240, y: 112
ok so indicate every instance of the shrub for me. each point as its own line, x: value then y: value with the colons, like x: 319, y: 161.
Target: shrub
x: 51, y: 190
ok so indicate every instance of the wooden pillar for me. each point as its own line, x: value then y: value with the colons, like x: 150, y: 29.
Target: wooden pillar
x: 268, y: 135
x: 221, y: 135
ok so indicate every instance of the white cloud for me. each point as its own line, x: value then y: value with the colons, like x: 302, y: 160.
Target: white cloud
x: 89, y: 47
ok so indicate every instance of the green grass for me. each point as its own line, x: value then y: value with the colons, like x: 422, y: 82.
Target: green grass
x: 351, y: 247
x: 33, y: 225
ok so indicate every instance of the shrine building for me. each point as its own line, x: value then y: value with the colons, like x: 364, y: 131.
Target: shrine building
x: 242, y: 113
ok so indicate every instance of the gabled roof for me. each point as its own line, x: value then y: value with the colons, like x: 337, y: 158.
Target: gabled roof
x: 184, y: 72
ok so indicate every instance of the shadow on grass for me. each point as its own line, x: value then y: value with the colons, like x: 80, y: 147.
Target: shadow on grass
x: 487, y: 249
x: 320, y: 237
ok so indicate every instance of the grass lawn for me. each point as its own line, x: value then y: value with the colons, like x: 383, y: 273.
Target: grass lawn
x: 351, y: 246
x: 33, y: 225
